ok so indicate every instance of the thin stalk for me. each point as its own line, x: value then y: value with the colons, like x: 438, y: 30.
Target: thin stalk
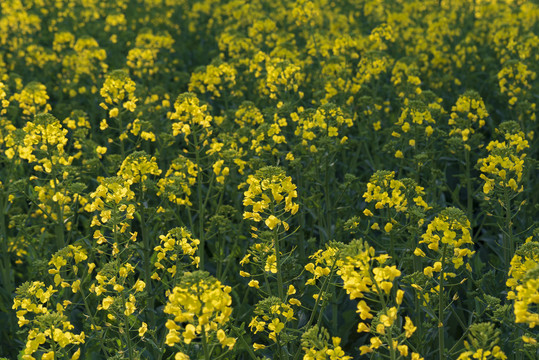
x: 328, y: 201
x: 334, y: 317
x: 126, y: 331
x: 325, y: 284
x: 278, y: 261
x: 508, y: 246
x: 221, y: 257
x: 205, y: 345
x: 441, y: 309
x: 53, y: 344
x: 389, y: 337
x: 266, y: 281
x: 248, y: 346
x: 391, y: 237
x: 6, y: 260
x: 200, y: 204
x: 301, y: 239
x: 469, y: 191
x: 59, y: 227
x: 89, y: 312
x: 146, y: 253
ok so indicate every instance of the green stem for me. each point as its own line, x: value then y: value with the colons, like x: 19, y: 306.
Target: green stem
x: 146, y: 253
x: 441, y: 309
x: 328, y: 201
x: 469, y: 198
x: 205, y: 345
x: 249, y: 347
x: 200, y: 204
x: 325, y: 284
x: 508, y: 246
x: 59, y: 227
x: 278, y: 261
x: 7, y: 281
x: 279, y: 347
x: 53, y: 344
x: 389, y: 336
x: 302, y: 254
x: 126, y: 330
x: 90, y: 316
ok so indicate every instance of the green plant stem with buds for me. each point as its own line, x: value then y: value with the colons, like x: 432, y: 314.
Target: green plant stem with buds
x: 389, y: 335
x: 205, y: 346
x: 201, y: 237
x: 441, y: 308
x: 280, y: 290
x: 508, y: 246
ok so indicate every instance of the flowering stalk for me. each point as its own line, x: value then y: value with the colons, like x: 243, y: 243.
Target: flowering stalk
x: 278, y: 261
x: 508, y: 246
x: 441, y: 339
x: 200, y: 206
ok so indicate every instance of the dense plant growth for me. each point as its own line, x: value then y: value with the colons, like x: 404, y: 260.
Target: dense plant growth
x: 310, y: 179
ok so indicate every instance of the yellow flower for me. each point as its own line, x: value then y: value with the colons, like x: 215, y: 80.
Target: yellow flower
x: 272, y: 221
x: 190, y: 333
x: 276, y: 326
x: 181, y: 356
x: 291, y: 290
x: 257, y: 347
x: 409, y: 327
x: 129, y: 308
x: 142, y: 330
x: 139, y: 285
x: 400, y: 294
x: 271, y: 264
x: 107, y: 302
x: 48, y: 356
x: 113, y: 112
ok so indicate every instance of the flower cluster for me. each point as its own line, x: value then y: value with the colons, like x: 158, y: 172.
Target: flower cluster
x: 482, y: 343
x: 113, y: 199
x: 118, y: 91
x: 447, y: 236
x: 50, y: 333
x: 315, y: 127
x: 191, y: 118
x: 392, y: 197
x: 504, y: 165
x: 33, y: 99
x: 215, y: 80
x: 272, y: 316
x: 178, y: 180
x: 415, y: 123
x: 143, y: 59
x: 368, y: 277
x: 316, y: 345
x: 267, y: 190
x: 137, y: 166
x: 44, y: 143
x: 524, y: 283
x: 176, y: 244
x: 467, y: 116
x: 200, y: 309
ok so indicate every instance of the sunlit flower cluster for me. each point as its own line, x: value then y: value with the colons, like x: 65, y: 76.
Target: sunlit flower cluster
x: 524, y: 283
x: 504, y: 165
x: 176, y: 244
x: 267, y: 190
x: 200, y: 308
x: 467, y: 115
x: 447, y: 236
